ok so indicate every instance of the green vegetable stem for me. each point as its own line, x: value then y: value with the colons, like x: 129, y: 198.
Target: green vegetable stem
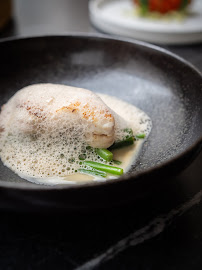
x: 105, y: 154
x: 93, y: 172
x: 123, y: 143
x: 104, y: 168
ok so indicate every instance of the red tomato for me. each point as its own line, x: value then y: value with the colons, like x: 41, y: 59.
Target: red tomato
x: 163, y: 6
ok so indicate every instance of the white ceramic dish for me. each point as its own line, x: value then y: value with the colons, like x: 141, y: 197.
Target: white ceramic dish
x: 118, y: 17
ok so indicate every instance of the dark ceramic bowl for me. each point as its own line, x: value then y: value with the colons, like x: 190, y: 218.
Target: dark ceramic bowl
x: 165, y: 86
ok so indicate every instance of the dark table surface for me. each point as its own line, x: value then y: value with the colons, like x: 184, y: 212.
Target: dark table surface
x: 162, y: 233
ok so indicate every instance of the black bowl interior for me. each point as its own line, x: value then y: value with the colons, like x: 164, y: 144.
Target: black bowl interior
x: 168, y: 89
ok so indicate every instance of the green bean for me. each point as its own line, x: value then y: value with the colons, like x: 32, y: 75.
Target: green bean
x: 140, y: 136
x: 120, y: 144
x: 105, y: 154
x: 104, y: 168
x: 93, y: 172
x: 117, y: 162
x: 129, y: 131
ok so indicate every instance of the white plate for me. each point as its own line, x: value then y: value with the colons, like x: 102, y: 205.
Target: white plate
x: 117, y: 17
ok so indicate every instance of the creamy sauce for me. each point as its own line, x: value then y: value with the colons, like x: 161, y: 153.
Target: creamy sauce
x: 126, y: 155
x: 130, y: 117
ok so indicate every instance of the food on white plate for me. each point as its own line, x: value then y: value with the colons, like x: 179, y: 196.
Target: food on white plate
x: 55, y: 134
x: 161, y: 6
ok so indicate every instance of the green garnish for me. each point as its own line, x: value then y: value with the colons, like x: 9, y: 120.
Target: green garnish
x: 140, y: 136
x: 120, y: 144
x: 184, y: 4
x: 117, y: 162
x: 105, y: 154
x: 144, y: 7
x: 93, y: 172
x: 129, y: 132
x: 104, y: 168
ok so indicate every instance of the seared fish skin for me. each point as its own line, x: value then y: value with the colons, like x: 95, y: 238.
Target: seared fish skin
x: 41, y: 104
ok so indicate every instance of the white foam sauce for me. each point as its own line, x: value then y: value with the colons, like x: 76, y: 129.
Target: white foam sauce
x: 37, y: 162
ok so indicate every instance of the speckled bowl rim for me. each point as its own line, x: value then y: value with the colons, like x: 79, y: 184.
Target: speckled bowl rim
x: 125, y: 177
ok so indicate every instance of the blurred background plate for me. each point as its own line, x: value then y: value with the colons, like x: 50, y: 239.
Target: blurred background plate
x: 118, y: 17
